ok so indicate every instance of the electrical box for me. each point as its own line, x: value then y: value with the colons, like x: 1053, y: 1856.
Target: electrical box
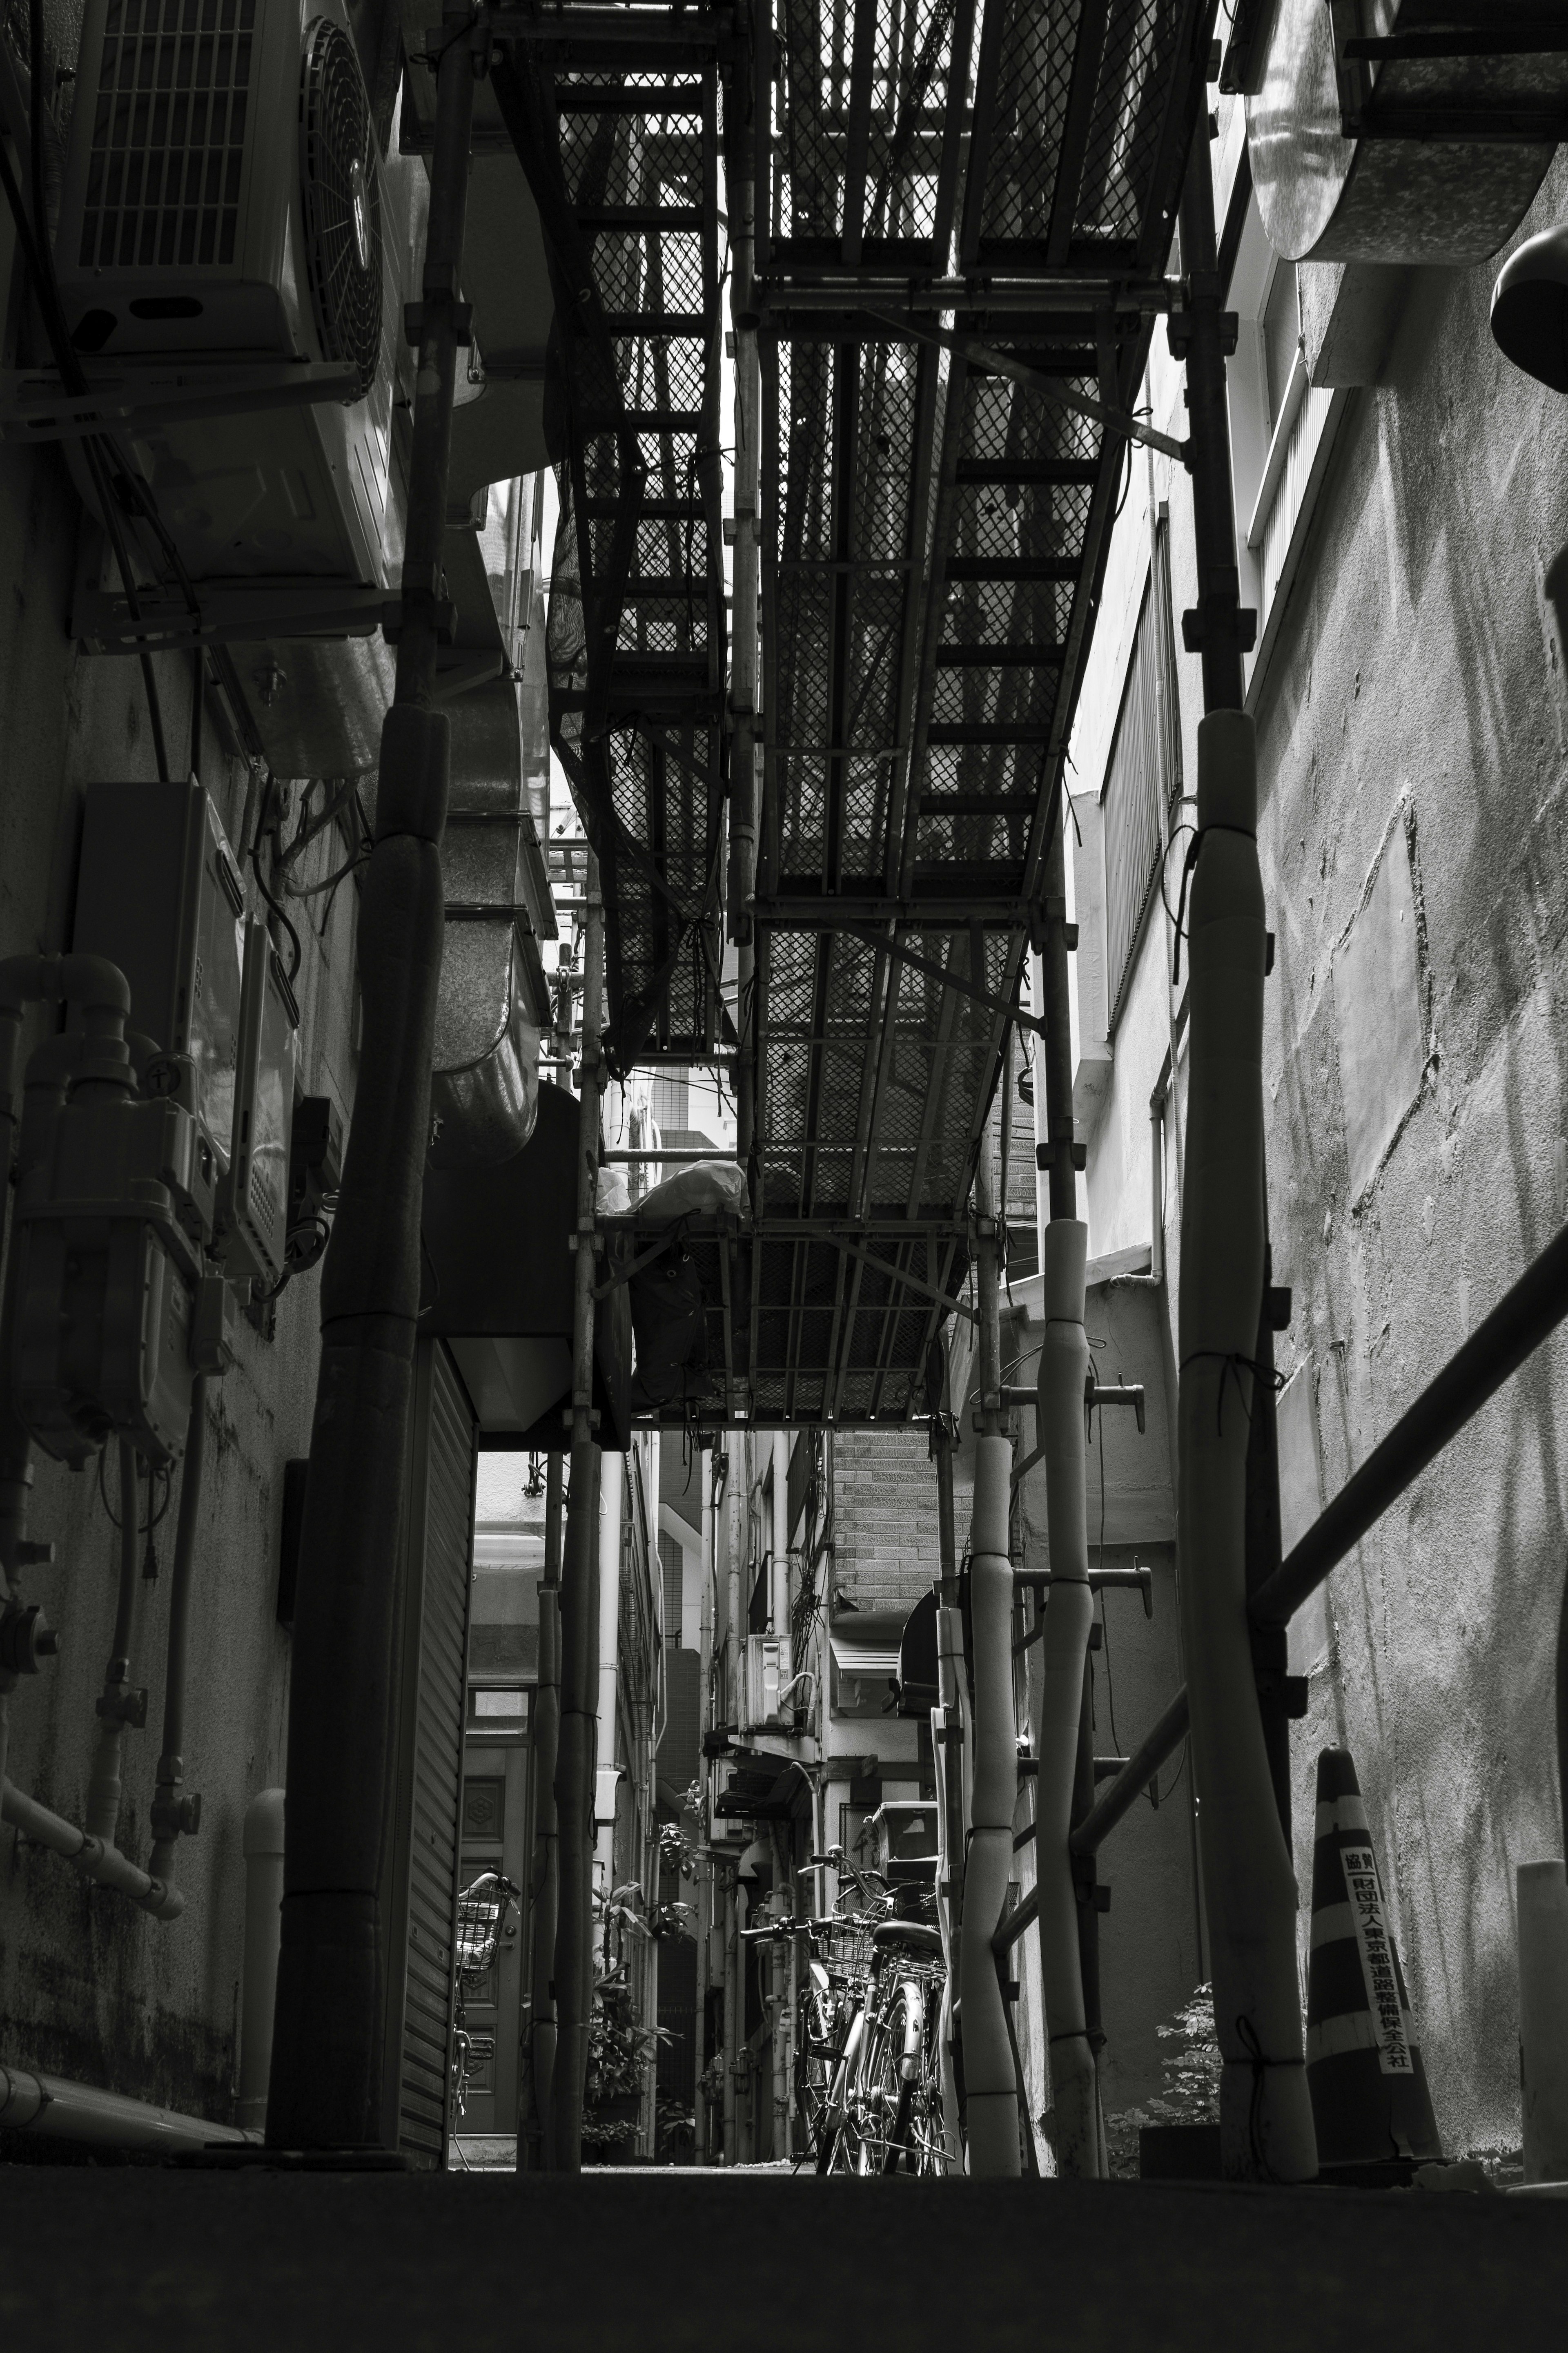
x: 768, y: 1673
x: 161, y: 896
x: 253, y: 1195
x: 112, y: 1301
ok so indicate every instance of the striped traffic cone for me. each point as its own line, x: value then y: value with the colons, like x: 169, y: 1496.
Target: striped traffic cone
x: 1369, y: 2102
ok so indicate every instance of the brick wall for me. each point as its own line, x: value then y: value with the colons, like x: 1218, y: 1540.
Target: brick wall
x: 886, y: 1552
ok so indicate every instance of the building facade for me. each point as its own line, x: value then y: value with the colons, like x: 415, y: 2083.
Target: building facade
x: 1401, y: 513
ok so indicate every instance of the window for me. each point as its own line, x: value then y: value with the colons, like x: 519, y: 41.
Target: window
x: 1282, y: 326
x: 1132, y: 805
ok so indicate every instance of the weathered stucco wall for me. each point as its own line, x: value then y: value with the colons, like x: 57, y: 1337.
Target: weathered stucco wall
x: 1414, y: 708
x: 1413, y: 694
x: 89, y: 1986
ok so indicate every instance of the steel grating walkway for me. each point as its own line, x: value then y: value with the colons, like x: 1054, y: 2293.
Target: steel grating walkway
x: 963, y: 216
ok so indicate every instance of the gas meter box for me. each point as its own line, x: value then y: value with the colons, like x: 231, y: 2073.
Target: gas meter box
x: 161, y: 896
x: 253, y: 1199
x: 108, y: 1277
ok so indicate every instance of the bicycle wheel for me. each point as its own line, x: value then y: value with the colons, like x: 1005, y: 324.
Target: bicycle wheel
x: 817, y: 2057
x: 891, y: 2078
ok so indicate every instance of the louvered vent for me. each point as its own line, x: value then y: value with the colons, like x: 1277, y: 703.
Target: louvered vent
x: 342, y: 201
x: 168, y: 136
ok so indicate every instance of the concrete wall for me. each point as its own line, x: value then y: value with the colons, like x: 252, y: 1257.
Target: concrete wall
x: 88, y: 1986
x: 1411, y: 707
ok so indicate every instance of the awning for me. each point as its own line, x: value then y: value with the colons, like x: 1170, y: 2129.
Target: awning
x: 866, y: 1643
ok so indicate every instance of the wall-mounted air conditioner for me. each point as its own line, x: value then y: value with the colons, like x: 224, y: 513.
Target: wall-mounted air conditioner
x: 225, y: 203
x: 768, y: 1673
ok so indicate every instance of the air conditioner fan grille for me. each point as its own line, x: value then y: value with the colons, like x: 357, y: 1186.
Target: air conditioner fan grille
x: 341, y: 200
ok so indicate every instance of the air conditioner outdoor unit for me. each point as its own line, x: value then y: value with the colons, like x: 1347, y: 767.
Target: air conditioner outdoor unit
x: 768, y: 1673
x: 225, y: 205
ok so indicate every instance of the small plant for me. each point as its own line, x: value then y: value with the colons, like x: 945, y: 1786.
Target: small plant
x: 675, y: 2130
x: 1191, y: 2070
x: 619, y: 2048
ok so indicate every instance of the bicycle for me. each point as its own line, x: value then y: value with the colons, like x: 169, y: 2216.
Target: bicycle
x: 882, y: 2105
x: 482, y: 1908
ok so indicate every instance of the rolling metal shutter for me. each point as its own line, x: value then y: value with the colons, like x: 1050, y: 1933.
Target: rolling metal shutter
x: 437, y: 1552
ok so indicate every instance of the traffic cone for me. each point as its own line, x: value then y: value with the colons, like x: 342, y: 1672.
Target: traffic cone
x: 1370, y: 2102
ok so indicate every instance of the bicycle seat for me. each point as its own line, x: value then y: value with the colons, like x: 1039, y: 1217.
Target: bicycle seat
x: 909, y: 1936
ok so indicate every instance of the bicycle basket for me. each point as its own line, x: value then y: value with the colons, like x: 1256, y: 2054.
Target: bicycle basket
x: 481, y: 1909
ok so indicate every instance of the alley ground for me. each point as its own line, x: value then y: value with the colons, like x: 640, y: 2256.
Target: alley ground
x: 144, y: 2258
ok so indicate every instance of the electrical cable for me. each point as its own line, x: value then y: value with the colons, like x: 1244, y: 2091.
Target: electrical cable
x: 269, y: 788
x: 33, y: 237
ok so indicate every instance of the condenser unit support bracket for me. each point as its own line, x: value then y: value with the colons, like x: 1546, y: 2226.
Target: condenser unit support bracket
x: 36, y: 406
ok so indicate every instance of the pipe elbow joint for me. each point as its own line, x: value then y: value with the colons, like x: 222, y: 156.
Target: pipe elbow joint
x: 163, y: 1900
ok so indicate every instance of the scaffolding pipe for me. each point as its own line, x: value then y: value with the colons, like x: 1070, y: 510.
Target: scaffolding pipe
x: 732, y: 2019
x: 173, y: 1813
x: 536, y: 2139
x: 1250, y: 1890
x: 576, y: 1772
x: 118, y: 1703
x: 702, y: 2138
x: 575, y: 1776
x: 1064, y: 1368
x: 329, y: 2046
x: 612, y: 1509
x: 990, y: 2089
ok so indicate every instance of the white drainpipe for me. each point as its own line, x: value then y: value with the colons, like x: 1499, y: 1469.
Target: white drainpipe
x: 57, y: 2109
x: 263, y: 1932
x: 990, y: 2086
x: 611, y: 1487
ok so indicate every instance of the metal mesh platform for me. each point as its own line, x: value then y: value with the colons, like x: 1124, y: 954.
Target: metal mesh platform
x: 945, y: 191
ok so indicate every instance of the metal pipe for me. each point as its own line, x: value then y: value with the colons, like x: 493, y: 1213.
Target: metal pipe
x: 612, y: 1490
x: 1064, y: 1367
x: 1249, y: 1887
x: 702, y: 2143
x: 328, y: 2070
x: 1121, y: 1795
x: 1524, y: 1316
x: 574, y: 1779
x: 991, y: 2090
x: 264, y: 1848
x: 117, y: 1704
x: 97, y: 1858
x: 536, y: 2139
x: 58, y: 2109
x: 171, y: 1813
x: 732, y: 2021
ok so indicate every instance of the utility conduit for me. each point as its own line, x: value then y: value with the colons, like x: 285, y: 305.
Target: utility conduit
x: 990, y: 2086
x: 1265, y: 2113
x: 57, y: 2109
x: 1064, y: 1368
x: 95, y: 1858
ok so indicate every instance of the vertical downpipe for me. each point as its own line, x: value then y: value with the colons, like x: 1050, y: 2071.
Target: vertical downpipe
x: 612, y: 1493
x: 991, y: 2089
x: 329, y: 2045
x: 1249, y: 1889
x: 536, y: 2139
x: 732, y: 1983
x: 1069, y: 1957
x: 702, y: 2146
x: 1064, y: 1368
